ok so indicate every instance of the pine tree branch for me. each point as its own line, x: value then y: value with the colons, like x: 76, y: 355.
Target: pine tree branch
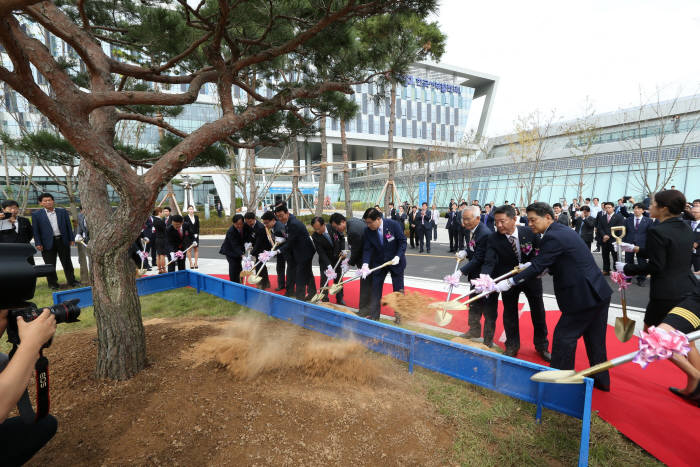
x: 159, y: 122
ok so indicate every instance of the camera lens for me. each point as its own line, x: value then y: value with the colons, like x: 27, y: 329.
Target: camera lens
x: 66, y: 312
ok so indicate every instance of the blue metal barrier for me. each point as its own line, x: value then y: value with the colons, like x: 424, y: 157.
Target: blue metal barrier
x: 494, y: 371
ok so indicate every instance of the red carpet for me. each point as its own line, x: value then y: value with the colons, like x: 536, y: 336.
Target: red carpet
x: 639, y: 404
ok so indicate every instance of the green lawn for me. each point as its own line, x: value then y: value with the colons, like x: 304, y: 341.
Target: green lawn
x: 491, y: 429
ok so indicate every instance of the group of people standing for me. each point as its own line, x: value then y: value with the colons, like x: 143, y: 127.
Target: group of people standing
x: 363, y: 244
x: 168, y: 240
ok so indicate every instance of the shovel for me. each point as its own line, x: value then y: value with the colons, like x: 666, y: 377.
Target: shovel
x: 624, y: 327
x: 253, y: 276
x: 442, y: 317
x: 317, y: 298
x: 335, y: 288
x: 576, y: 377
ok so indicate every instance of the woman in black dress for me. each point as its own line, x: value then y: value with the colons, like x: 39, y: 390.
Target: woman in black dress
x: 668, y: 250
x: 192, y: 222
x: 162, y: 249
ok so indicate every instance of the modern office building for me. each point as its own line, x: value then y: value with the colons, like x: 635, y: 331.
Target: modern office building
x: 432, y: 108
x: 627, y: 152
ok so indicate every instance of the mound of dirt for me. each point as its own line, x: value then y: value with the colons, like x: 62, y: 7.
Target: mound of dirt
x: 241, y: 392
x: 411, y: 305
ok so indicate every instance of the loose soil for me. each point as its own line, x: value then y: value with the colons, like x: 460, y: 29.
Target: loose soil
x: 243, y: 391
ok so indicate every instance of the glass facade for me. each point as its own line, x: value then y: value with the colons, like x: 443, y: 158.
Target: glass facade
x: 608, y: 176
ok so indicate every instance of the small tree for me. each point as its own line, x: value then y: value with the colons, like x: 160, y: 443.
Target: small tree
x: 583, y: 134
x: 526, y: 148
x: 659, y: 140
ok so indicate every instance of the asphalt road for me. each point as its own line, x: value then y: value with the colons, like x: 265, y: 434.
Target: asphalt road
x: 440, y: 262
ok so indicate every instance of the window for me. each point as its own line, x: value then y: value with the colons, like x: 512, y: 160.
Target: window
x: 364, y: 104
x: 403, y: 128
x: 447, y: 115
x: 419, y: 113
x: 359, y: 120
x: 424, y: 132
x: 409, y: 113
x: 430, y: 117
x: 438, y: 116
x: 370, y: 126
x: 414, y: 129
x: 382, y: 125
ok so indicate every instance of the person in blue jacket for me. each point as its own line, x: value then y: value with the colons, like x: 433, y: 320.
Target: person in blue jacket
x: 384, y: 240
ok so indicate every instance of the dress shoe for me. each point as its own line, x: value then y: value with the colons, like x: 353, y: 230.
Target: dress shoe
x: 75, y: 284
x: 600, y: 386
x: 53, y: 286
x: 397, y: 318
x: 428, y: 251
x: 693, y: 397
x: 511, y: 352
x: 471, y: 335
x: 340, y: 302
x: 277, y: 289
x: 421, y: 251
x: 606, y: 273
x: 546, y: 356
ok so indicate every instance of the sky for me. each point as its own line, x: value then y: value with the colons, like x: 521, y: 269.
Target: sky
x: 554, y: 55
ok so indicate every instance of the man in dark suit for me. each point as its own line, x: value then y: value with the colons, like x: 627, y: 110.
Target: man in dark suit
x: 234, y: 247
x: 355, y: 231
x: 453, y: 226
x: 695, y: 227
x: 487, y: 217
x: 148, y: 231
x: 584, y: 225
x: 582, y: 292
x: 262, y: 241
x: 277, y: 232
x: 166, y: 216
x: 636, y: 233
x: 509, y: 246
x: 606, y: 219
x: 560, y: 215
x: 393, y: 213
x: 300, y: 251
x: 179, y: 239
x: 424, y: 228
x: 412, y: 226
x: 461, y: 231
x: 329, y: 245
x: 53, y: 236
x: 477, y: 242
x: 19, y: 228
x: 384, y: 240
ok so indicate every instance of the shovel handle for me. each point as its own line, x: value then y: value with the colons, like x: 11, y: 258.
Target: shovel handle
x: 512, y: 272
x: 618, y: 232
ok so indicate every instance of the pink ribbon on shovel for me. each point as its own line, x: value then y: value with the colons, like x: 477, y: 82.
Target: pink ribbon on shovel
x: 659, y: 344
x: 620, y: 279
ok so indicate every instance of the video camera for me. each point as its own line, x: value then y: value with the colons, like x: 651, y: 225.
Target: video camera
x: 18, y: 284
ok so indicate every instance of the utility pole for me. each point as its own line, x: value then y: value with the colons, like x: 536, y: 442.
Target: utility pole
x: 427, y: 178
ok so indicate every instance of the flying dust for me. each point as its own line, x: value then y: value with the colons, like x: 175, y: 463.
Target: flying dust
x: 252, y: 347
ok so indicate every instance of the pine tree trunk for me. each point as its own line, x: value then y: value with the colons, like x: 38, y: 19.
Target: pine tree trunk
x: 121, y: 349
x: 322, y: 175
x: 346, y: 170
x: 389, y: 194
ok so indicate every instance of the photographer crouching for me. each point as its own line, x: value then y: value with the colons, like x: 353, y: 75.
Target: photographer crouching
x: 29, y: 330
x: 20, y: 440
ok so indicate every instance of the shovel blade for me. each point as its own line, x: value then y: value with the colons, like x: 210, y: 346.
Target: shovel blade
x: 452, y: 305
x: 443, y: 318
x: 557, y: 377
x: 624, y: 329
x: 316, y: 298
x: 254, y: 279
x: 335, y: 288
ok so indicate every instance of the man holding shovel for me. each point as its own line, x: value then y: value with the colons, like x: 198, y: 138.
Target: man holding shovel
x: 384, y: 239
x: 582, y: 292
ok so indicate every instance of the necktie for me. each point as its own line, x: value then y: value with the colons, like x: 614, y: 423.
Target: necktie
x: 381, y: 240
x: 609, y: 216
x: 15, y: 227
x: 511, y: 239
x: 180, y: 232
x: 636, y: 223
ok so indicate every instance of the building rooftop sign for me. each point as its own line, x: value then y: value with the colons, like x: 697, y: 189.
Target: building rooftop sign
x: 443, y: 87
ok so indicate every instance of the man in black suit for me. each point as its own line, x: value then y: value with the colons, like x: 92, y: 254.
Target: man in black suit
x: 355, y: 230
x: 262, y: 241
x: 234, y: 247
x: 53, y: 236
x: 606, y: 219
x: 393, y: 213
x: 179, y: 239
x: 636, y: 227
x: 412, y: 226
x: 453, y: 226
x: 166, y: 216
x: 487, y: 216
x: 582, y: 292
x: 300, y: 251
x: 584, y: 225
x: 424, y: 228
x: 461, y: 231
x: 509, y: 246
x: 559, y: 215
x: 277, y: 231
x: 477, y: 239
x: 329, y: 245
x: 695, y: 227
x: 19, y: 229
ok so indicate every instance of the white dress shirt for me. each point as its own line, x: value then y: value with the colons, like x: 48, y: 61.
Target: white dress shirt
x: 54, y: 222
x: 380, y: 231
